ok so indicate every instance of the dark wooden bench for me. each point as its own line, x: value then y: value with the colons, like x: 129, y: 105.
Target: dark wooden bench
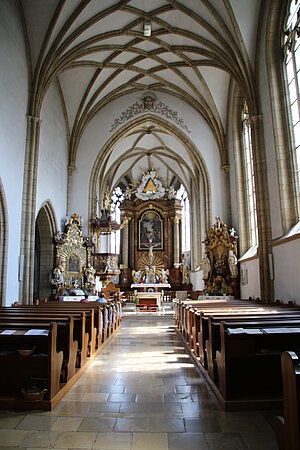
x: 79, y: 321
x: 210, y: 340
x: 287, y: 428
x: 65, y: 341
x: 249, y: 366
x: 17, y: 370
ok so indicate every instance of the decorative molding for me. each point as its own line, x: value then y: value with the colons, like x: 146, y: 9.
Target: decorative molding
x: 148, y: 104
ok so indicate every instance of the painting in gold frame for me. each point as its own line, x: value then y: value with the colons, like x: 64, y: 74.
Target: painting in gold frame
x: 150, y: 230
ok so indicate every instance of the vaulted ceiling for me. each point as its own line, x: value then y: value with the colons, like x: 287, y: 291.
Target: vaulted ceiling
x: 96, y: 51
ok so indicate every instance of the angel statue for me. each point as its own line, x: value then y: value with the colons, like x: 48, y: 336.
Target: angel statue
x: 136, y: 276
x: 164, y: 275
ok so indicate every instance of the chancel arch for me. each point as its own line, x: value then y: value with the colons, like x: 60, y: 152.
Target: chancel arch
x: 126, y: 168
x: 44, y: 258
x: 3, y: 244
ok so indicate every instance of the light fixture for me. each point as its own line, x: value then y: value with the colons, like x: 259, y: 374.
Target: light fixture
x: 147, y: 29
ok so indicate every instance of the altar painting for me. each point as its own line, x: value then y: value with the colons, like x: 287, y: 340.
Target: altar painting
x: 150, y: 231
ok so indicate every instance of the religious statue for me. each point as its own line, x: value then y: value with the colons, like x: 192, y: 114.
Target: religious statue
x: 108, y: 265
x: 205, y: 266
x: 164, y: 275
x: 90, y: 274
x: 136, y: 276
x: 185, y: 270
x: 150, y: 276
x: 232, y: 262
x: 58, y: 276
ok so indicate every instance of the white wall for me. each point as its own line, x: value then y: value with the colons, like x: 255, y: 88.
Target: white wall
x: 53, y: 160
x: 287, y: 271
x: 13, y: 101
x: 97, y: 134
x: 252, y: 288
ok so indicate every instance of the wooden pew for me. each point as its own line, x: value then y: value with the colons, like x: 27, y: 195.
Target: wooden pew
x: 211, y: 343
x: 79, y: 331
x: 287, y: 428
x: 65, y: 340
x: 249, y: 364
x: 16, y: 370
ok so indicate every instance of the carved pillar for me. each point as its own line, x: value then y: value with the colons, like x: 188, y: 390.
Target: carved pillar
x: 263, y: 207
x: 176, y: 242
x: 28, y: 210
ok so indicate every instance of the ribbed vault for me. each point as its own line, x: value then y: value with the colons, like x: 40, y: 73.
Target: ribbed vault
x: 97, y: 52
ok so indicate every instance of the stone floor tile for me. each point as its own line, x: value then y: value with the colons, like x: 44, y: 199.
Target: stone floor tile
x: 36, y: 423
x: 44, y: 439
x: 94, y: 397
x: 182, y: 398
x: 233, y: 424
x: 187, y: 441
x: 104, y: 407
x: 149, y: 398
x: 121, y: 398
x: 228, y: 441
x: 97, y: 424
x: 10, y: 421
x: 202, y: 425
x: 84, y: 388
x: 166, y: 424
x: 116, y: 441
x: 260, y: 440
x: 66, y: 423
x: 135, y: 408
x: 150, y: 441
x: 166, y: 408
x: 132, y: 424
x: 11, y: 437
x: 75, y: 396
x: 72, y: 440
x: 111, y: 389
x: 175, y: 381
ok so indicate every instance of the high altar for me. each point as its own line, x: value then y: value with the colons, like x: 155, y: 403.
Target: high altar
x: 151, y: 254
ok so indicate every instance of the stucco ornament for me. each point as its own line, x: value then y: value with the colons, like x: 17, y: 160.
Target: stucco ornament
x: 150, y: 187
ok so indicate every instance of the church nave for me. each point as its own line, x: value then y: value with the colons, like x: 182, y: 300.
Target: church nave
x: 141, y: 393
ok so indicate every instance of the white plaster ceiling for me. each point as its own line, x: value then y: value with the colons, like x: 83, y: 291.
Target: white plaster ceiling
x: 97, y: 52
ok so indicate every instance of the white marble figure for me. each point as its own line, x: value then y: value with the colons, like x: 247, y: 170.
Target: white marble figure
x: 58, y: 276
x: 164, y: 275
x: 205, y: 266
x: 232, y: 262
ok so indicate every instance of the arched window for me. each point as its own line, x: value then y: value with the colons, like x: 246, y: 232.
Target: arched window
x: 249, y: 176
x: 291, y: 40
x: 185, y: 220
x: 116, y: 200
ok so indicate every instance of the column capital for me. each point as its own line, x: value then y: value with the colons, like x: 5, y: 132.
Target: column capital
x: 33, y: 118
x: 71, y: 170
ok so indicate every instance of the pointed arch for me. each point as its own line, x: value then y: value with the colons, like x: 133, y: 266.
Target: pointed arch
x: 44, y: 257
x: 200, y: 177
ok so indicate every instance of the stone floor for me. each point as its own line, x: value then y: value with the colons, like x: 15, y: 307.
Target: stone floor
x: 141, y: 393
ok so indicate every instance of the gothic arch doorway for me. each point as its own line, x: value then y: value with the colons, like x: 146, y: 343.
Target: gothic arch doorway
x: 44, y: 255
x: 3, y: 244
